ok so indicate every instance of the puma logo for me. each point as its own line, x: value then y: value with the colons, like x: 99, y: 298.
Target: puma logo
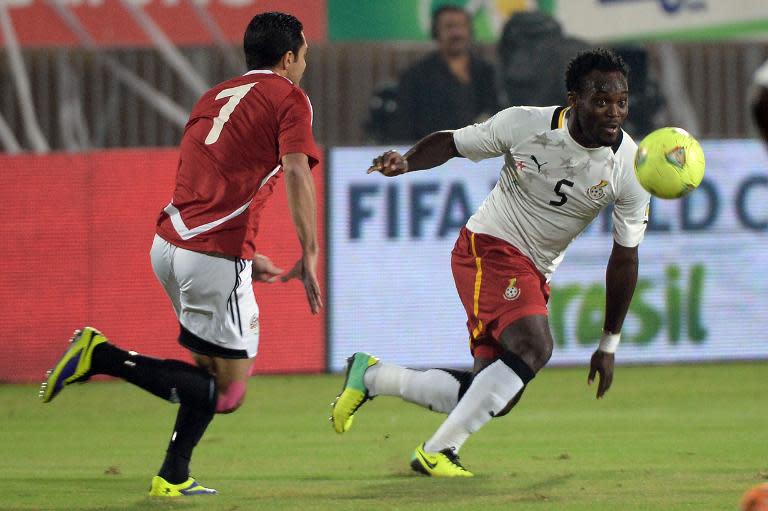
x: 539, y: 165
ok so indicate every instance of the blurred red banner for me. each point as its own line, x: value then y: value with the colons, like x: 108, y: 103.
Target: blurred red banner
x: 109, y: 23
x: 76, y: 240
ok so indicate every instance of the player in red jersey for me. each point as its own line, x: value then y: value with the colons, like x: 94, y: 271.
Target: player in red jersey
x: 239, y: 137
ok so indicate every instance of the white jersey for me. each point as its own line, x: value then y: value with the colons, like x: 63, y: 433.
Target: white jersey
x: 551, y: 187
x: 761, y: 75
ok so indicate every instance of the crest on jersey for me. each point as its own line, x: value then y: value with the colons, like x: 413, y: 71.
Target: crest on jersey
x: 597, y: 191
x: 512, y: 292
x: 254, y: 324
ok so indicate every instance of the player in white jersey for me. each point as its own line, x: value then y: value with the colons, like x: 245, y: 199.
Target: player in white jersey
x: 561, y: 167
x: 760, y: 100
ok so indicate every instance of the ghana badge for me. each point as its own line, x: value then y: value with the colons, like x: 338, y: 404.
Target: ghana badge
x: 597, y: 191
x: 512, y: 292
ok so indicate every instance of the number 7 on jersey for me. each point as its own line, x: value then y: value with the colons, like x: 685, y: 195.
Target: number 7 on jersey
x: 235, y: 94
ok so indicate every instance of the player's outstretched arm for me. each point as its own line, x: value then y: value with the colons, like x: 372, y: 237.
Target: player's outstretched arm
x: 431, y: 151
x: 302, y: 202
x: 620, y: 282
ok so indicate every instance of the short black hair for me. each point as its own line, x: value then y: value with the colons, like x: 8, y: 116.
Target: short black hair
x: 600, y: 59
x: 447, y: 8
x: 269, y: 36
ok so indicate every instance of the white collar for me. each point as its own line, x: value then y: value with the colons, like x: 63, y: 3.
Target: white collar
x: 265, y: 72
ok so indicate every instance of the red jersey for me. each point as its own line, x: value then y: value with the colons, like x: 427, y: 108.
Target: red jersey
x: 230, y: 158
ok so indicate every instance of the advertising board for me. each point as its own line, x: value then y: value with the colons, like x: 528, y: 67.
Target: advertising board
x: 701, y: 289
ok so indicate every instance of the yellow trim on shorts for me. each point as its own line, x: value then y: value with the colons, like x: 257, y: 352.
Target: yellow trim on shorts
x: 476, y: 298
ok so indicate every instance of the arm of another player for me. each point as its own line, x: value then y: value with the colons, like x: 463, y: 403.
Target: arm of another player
x: 264, y: 270
x: 620, y: 282
x: 759, y: 100
x: 760, y: 111
x: 431, y: 151
x: 302, y: 203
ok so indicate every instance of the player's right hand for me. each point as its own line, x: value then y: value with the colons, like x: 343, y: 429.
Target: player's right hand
x: 264, y: 270
x: 391, y: 164
x: 306, y: 270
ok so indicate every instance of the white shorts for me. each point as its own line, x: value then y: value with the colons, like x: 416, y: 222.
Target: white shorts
x: 213, y: 299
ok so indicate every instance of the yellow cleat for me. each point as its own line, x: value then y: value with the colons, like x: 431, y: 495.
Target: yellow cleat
x: 353, y: 394
x: 74, y: 365
x: 444, y: 463
x: 189, y: 488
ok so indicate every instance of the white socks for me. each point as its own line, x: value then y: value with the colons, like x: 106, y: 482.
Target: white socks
x: 435, y: 389
x: 491, y: 390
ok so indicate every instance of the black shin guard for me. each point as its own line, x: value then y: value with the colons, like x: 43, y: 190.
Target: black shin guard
x: 523, y: 371
x: 519, y: 366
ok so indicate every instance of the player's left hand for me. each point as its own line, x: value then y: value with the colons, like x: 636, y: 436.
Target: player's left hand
x: 391, y: 164
x: 264, y: 270
x: 601, y: 364
x: 305, y: 270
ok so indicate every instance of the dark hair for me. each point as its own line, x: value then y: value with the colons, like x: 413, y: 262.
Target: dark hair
x: 443, y: 9
x: 269, y: 36
x: 600, y: 59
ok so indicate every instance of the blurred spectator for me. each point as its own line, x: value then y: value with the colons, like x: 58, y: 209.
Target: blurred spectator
x: 760, y: 101
x: 647, y: 99
x: 381, y: 126
x: 532, y: 53
x: 450, y: 88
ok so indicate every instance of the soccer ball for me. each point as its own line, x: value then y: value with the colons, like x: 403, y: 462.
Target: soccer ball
x: 669, y: 163
x: 756, y: 499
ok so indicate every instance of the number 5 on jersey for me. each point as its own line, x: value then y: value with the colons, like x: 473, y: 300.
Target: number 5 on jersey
x: 235, y: 94
x: 561, y: 194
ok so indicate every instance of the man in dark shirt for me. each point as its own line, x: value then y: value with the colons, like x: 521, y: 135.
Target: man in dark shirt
x: 449, y: 88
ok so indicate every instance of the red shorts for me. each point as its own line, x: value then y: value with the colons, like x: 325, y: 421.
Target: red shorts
x: 497, y: 285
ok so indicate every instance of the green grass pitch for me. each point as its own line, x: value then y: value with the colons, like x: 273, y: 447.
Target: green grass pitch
x: 691, y: 437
